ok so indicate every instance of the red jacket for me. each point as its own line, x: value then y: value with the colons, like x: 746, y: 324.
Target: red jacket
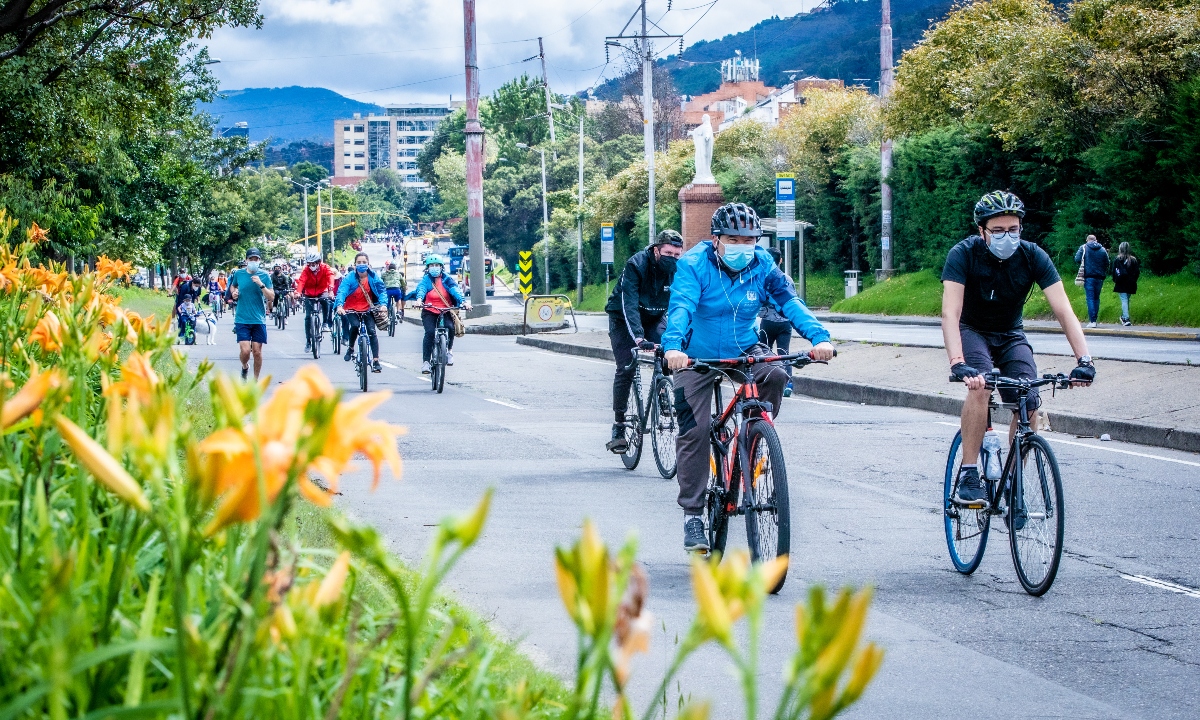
x: 311, y: 284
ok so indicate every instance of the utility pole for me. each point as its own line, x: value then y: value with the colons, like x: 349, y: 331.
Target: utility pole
x: 885, y: 149
x: 306, y: 221
x: 318, y: 221
x: 545, y: 226
x: 474, y: 157
x: 644, y: 50
x: 579, y: 245
x: 549, y: 109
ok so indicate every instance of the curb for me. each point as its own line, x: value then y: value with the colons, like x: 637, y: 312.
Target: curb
x: 1086, y: 425
x: 934, y: 322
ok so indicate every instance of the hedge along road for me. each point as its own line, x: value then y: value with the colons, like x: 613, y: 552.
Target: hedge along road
x: 1118, y: 636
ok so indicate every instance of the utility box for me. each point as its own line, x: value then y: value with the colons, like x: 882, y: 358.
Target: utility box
x: 853, y: 283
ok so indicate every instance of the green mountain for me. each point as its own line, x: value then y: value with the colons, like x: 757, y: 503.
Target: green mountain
x: 285, y: 114
x: 837, y: 40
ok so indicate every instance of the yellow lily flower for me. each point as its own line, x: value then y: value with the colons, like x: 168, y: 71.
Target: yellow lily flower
x: 714, y: 612
x: 105, y: 467
x: 330, y: 590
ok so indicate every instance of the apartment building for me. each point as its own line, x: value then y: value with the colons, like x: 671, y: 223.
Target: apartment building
x: 362, y: 144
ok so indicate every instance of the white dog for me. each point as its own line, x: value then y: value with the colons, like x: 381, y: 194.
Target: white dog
x: 206, y: 324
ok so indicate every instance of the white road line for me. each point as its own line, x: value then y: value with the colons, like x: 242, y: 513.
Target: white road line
x: 1162, y: 585
x: 1051, y: 438
x: 389, y: 365
x: 818, y: 402
x: 572, y: 357
x: 514, y: 406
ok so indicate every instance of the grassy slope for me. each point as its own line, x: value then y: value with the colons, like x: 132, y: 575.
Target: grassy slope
x: 1170, y: 301
x: 307, y: 525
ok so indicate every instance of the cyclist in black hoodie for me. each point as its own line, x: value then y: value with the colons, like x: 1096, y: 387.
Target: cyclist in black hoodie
x: 637, y: 312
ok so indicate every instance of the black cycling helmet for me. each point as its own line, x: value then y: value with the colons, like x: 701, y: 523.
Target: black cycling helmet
x: 669, y: 237
x: 998, y: 202
x: 736, y: 219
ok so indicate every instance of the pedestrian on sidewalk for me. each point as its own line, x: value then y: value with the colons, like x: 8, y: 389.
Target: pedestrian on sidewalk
x: 251, y: 288
x: 1125, y: 274
x: 776, y: 329
x: 1094, y: 259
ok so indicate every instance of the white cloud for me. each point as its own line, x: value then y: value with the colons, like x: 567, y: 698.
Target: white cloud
x: 411, y: 50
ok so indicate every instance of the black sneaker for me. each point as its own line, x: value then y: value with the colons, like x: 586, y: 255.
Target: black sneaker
x: 376, y: 367
x: 970, y: 490
x: 349, y: 355
x: 245, y: 372
x: 619, y: 443
x: 694, y: 539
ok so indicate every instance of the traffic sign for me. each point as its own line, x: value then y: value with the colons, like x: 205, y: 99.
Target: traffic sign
x: 525, y: 272
x: 785, y: 206
x: 606, y: 243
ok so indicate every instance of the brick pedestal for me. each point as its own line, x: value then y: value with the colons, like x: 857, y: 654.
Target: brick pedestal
x: 697, y: 203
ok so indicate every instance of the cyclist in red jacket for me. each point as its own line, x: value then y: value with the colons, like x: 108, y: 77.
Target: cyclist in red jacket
x: 315, y: 285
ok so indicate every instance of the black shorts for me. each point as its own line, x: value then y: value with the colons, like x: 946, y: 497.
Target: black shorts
x: 1007, y: 351
x: 251, y: 333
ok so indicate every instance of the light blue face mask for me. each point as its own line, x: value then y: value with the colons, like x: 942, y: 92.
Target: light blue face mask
x: 1004, y: 244
x: 737, y: 257
x: 362, y: 269
x: 435, y: 270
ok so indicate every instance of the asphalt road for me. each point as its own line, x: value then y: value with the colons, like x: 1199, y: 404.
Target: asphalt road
x: 1118, y: 636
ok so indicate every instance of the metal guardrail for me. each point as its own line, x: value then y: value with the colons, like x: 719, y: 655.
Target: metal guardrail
x: 525, y: 314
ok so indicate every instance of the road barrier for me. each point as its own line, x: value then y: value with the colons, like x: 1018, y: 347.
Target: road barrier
x: 550, y: 313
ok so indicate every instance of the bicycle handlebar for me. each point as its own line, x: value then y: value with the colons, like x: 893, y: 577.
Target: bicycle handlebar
x: 995, y: 381
x: 433, y: 308
x: 797, y: 360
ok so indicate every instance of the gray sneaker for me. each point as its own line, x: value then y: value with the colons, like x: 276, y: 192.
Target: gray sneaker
x: 619, y: 443
x: 694, y: 539
x: 970, y: 490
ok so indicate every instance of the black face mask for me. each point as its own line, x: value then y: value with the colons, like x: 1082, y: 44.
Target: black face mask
x: 667, y: 263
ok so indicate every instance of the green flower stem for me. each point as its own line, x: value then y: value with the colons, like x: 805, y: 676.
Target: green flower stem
x: 690, y: 644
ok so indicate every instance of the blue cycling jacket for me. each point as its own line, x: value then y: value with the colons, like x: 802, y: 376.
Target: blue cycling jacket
x: 349, y: 284
x: 712, y: 313
x: 426, y: 286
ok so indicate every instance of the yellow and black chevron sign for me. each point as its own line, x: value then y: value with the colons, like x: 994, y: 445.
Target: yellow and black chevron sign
x: 525, y: 273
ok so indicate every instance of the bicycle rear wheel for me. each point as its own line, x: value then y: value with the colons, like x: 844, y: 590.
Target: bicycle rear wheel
x: 966, y: 529
x: 717, y: 503
x: 633, y: 430
x: 664, y: 426
x: 283, y: 314
x: 768, y: 517
x: 439, y: 363
x: 391, y: 318
x: 364, y: 363
x: 1036, y: 521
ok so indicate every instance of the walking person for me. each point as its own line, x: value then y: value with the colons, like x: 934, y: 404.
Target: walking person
x: 250, y: 287
x: 776, y: 329
x: 1125, y: 274
x: 1094, y: 259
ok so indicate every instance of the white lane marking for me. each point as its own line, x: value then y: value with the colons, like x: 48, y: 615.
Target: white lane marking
x: 514, y: 406
x: 572, y: 357
x: 818, y: 402
x: 1051, y: 438
x: 1162, y: 585
x: 388, y: 365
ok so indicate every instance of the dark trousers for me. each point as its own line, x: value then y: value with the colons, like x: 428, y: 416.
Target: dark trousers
x: 352, y: 333
x: 1091, y: 290
x: 324, y: 303
x: 623, y: 349
x: 430, y: 320
x: 778, y: 334
x: 694, y: 407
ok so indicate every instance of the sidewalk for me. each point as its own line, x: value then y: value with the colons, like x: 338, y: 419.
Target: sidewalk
x: 498, y: 324
x: 1148, y: 332
x: 1145, y: 403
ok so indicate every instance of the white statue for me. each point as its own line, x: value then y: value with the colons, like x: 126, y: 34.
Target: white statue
x: 702, y: 135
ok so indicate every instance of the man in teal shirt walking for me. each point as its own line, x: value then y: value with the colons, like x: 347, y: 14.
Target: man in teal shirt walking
x: 251, y: 288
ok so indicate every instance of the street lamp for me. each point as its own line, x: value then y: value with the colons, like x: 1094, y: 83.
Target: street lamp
x: 545, y: 220
x: 305, y: 187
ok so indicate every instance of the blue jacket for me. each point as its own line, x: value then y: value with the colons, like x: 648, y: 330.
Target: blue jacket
x: 712, y: 315
x: 349, y: 284
x: 426, y: 286
x: 1094, y: 258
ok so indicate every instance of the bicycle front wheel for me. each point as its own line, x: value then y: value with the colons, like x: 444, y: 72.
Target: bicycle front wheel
x: 633, y: 430
x: 966, y: 529
x: 1035, y: 517
x: 335, y: 335
x: 439, y: 363
x: 664, y: 426
x: 364, y: 352
x: 768, y: 515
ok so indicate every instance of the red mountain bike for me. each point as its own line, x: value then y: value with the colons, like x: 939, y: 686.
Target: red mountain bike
x: 745, y: 445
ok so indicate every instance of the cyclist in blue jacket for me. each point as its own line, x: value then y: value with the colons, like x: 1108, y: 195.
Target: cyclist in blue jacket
x: 718, y: 289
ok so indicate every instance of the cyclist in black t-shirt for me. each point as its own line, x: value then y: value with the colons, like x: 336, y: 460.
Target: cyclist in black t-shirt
x: 986, y: 281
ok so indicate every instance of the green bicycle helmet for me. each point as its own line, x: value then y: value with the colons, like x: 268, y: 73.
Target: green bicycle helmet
x: 434, y: 260
x: 669, y: 237
x: 998, y: 202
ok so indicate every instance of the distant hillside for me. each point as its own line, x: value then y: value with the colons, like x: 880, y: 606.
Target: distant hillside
x: 840, y: 40
x: 286, y: 114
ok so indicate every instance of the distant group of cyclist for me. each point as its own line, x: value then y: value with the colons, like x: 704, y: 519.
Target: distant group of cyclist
x: 727, y: 297
x: 333, y: 291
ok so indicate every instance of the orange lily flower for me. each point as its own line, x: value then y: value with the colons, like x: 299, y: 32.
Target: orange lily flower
x: 48, y: 332
x: 36, y: 234
x: 29, y: 397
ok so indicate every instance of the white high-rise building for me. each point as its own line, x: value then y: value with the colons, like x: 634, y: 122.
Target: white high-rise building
x: 362, y: 144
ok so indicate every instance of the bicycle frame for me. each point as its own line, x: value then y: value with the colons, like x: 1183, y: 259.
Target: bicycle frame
x: 657, y: 362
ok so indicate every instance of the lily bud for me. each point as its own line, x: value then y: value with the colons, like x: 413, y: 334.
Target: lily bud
x: 103, y: 466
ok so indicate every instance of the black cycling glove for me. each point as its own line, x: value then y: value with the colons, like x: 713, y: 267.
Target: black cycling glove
x: 1084, y: 373
x: 962, y: 371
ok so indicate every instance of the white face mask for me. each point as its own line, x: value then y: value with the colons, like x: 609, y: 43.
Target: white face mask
x: 252, y: 265
x: 1004, y: 244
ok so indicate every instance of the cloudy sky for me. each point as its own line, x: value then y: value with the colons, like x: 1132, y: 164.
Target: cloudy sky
x: 411, y: 50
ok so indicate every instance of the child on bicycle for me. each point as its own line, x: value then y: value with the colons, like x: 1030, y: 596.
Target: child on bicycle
x: 436, y: 291
x: 359, y: 291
